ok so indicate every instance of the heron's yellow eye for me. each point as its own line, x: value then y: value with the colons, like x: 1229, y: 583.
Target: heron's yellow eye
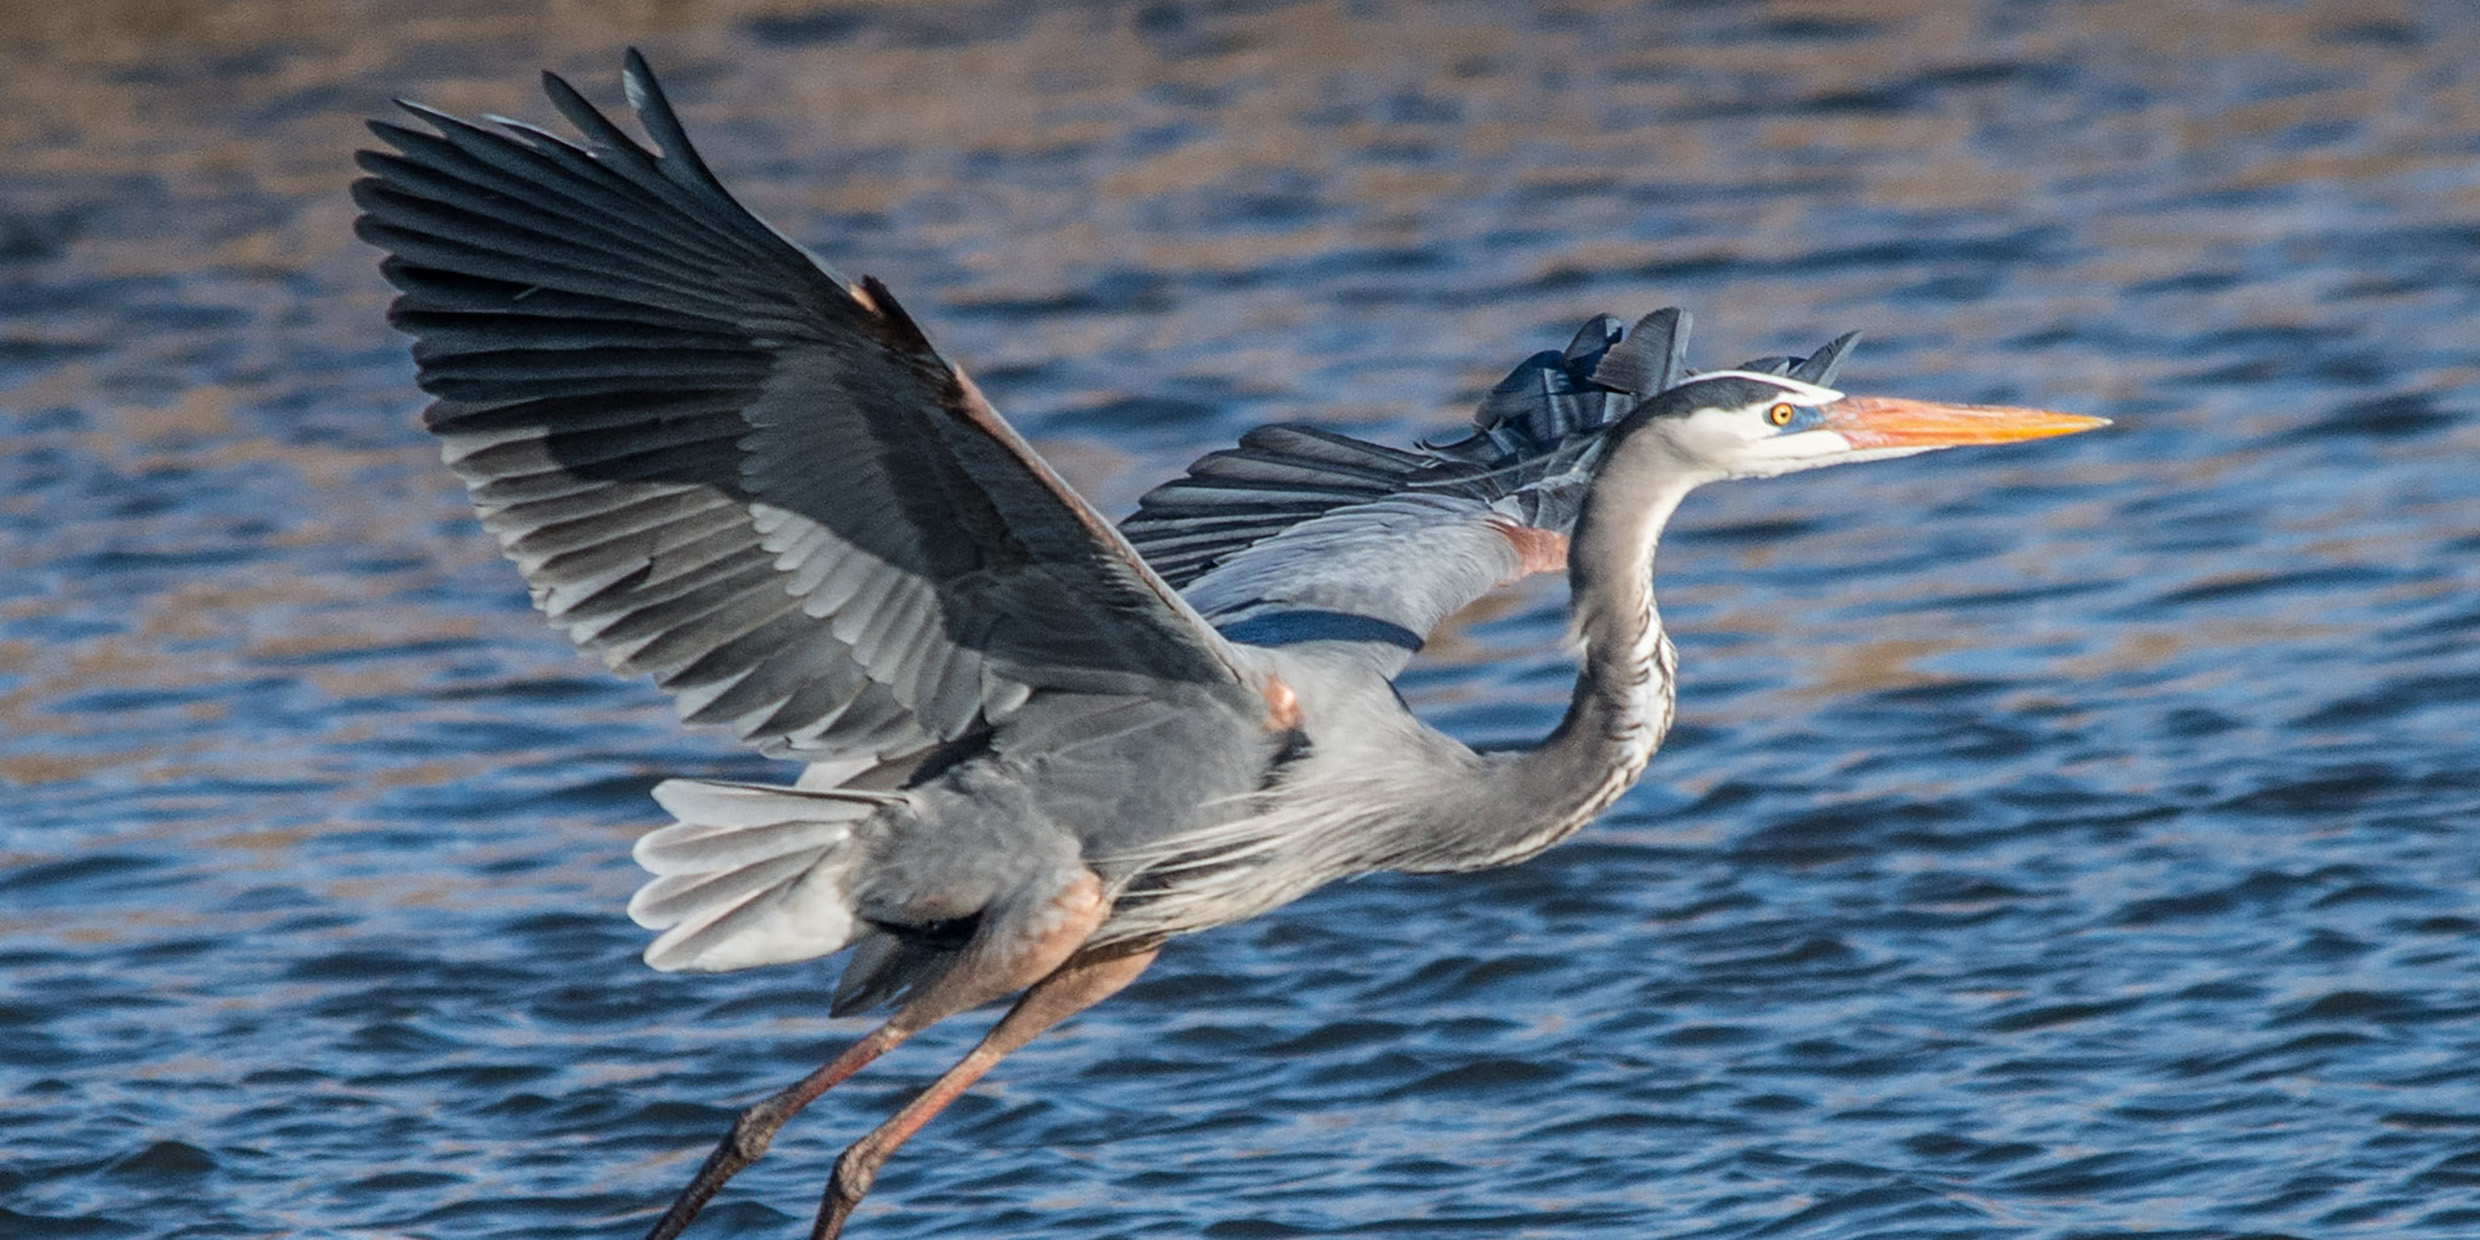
x: 1779, y: 415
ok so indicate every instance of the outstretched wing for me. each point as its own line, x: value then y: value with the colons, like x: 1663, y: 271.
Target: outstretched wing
x: 1535, y: 428
x: 1302, y: 535
x: 719, y: 463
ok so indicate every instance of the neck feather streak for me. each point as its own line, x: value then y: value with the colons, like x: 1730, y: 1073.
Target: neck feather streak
x: 1622, y: 704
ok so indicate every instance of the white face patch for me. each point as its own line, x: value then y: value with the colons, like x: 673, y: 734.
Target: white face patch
x: 1745, y: 442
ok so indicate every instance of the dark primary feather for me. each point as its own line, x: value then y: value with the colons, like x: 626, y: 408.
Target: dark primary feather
x: 1651, y: 359
x: 1818, y: 367
x: 718, y: 463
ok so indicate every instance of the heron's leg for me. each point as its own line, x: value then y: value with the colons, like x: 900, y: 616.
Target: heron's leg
x: 1063, y: 994
x: 756, y: 1127
x: 988, y: 970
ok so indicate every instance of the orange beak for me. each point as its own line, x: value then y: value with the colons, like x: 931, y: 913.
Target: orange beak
x: 1893, y: 422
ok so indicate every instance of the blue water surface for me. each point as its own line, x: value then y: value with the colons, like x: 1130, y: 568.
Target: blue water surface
x: 2070, y: 840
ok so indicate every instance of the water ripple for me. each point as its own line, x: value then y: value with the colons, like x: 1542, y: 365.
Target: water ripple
x: 2059, y: 842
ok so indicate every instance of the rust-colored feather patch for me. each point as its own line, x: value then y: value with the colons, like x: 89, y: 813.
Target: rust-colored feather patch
x: 1537, y: 550
x: 1282, y: 705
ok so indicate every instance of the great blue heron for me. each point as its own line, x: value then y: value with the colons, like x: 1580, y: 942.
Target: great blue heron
x: 1032, y: 759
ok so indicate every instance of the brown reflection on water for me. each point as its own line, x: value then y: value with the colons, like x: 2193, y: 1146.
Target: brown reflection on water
x: 989, y: 157
x: 122, y: 88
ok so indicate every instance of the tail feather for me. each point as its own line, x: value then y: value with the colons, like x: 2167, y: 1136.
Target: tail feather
x: 750, y: 874
x: 686, y: 849
x: 674, y: 899
x: 719, y: 803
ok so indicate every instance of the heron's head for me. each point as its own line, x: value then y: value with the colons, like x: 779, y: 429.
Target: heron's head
x: 1745, y: 424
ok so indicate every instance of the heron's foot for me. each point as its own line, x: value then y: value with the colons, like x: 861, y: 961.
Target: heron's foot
x: 755, y: 1128
x: 855, y: 1172
x: 752, y: 1132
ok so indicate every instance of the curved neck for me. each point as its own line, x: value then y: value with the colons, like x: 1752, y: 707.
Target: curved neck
x: 1621, y: 707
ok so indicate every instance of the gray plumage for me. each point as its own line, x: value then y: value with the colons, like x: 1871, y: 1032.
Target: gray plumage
x: 1037, y: 747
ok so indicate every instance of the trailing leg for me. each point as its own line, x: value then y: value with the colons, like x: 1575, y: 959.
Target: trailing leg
x: 1010, y: 954
x: 756, y: 1127
x: 1072, y: 989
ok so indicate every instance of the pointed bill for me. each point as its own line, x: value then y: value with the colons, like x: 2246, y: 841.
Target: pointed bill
x: 1894, y: 422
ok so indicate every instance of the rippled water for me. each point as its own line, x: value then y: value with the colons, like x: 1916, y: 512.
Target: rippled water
x: 2073, y: 840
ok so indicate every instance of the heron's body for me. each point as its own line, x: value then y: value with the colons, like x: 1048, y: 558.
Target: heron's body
x: 1037, y: 747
